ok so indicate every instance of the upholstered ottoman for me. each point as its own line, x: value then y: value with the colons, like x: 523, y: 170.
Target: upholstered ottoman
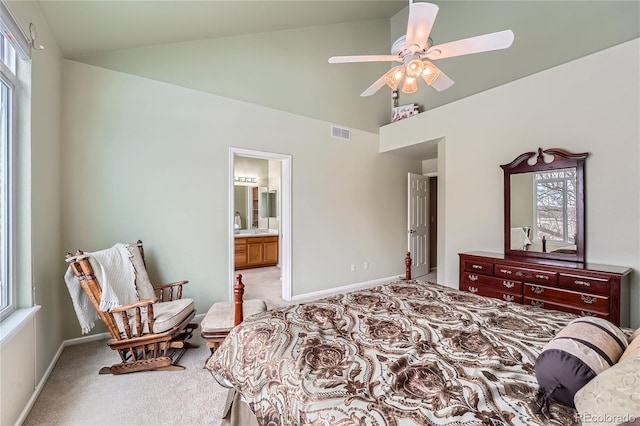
x: 221, y: 318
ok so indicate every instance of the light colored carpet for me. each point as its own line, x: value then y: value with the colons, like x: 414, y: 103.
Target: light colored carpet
x: 76, y: 395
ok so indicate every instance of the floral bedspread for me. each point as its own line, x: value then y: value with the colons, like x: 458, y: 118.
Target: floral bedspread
x: 402, y: 353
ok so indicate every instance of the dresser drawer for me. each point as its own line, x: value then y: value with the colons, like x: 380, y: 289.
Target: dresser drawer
x: 527, y: 275
x: 489, y: 291
x: 564, y: 308
x: 478, y: 267
x: 572, y: 299
x: 498, y: 284
x: 586, y: 284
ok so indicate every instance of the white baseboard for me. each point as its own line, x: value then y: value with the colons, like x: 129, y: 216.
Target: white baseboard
x: 85, y: 339
x: 52, y: 364
x: 344, y: 289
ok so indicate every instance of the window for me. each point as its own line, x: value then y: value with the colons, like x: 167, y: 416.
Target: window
x: 14, y: 54
x: 555, y: 205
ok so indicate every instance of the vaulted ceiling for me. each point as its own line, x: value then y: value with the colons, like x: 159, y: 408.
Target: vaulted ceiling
x: 547, y: 33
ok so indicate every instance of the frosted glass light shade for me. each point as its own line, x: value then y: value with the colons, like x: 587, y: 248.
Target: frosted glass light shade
x: 394, y: 76
x: 429, y: 72
x: 414, y: 68
x: 410, y: 85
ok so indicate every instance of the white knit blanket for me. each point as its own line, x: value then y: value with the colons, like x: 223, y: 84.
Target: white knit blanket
x: 116, y: 276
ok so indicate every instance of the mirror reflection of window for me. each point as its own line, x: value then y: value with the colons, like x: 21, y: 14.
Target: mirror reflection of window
x: 555, y: 206
x: 268, y: 203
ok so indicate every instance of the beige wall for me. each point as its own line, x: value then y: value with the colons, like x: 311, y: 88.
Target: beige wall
x: 149, y: 160
x: 591, y: 104
x: 28, y: 354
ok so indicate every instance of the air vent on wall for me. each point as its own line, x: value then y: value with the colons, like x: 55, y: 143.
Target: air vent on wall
x: 340, y: 132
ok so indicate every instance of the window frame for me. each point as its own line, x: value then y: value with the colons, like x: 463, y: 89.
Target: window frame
x: 9, y: 79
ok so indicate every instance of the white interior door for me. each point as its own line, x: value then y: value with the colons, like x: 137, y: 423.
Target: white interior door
x: 418, y: 222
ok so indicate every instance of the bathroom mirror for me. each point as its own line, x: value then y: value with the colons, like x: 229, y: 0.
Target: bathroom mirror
x: 544, y: 205
x: 268, y: 203
x: 245, y: 203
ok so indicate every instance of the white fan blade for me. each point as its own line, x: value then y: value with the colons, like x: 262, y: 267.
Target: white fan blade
x: 363, y: 58
x: 379, y: 83
x: 442, y: 82
x: 483, y: 43
x: 421, y: 18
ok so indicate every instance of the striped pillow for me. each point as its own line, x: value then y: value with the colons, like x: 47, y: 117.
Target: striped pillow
x: 584, y: 348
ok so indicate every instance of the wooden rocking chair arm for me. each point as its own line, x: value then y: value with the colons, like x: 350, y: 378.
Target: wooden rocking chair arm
x: 173, y: 284
x: 139, y: 304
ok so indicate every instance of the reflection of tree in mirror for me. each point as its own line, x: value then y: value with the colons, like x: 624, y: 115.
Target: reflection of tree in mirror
x: 555, y: 206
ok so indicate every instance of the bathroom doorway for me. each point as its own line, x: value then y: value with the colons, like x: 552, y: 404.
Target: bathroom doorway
x: 261, y: 183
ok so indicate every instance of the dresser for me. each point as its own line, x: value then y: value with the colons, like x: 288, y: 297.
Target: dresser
x: 580, y: 288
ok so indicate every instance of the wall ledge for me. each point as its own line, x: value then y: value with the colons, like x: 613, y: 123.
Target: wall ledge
x: 10, y: 326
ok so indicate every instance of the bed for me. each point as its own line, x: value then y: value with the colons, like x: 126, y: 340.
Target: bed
x: 406, y: 352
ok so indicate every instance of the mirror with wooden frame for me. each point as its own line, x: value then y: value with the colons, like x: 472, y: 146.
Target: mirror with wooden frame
x: 544, y: 205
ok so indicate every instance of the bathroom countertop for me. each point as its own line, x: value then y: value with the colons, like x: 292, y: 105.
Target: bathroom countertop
x: 248, y: 233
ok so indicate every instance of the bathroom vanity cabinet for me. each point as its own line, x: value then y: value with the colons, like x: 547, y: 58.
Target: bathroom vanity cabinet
x: 256, y: 251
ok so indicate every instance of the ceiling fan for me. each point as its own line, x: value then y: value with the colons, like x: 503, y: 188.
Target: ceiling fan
x: 415, y: 51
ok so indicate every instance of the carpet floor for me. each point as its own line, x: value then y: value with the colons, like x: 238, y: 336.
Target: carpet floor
x: 75, y: 394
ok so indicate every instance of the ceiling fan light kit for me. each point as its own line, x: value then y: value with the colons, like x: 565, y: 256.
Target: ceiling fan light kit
x: 415, y: 50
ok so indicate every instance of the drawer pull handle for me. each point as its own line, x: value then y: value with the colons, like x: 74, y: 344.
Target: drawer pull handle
x: 508, y: 284
x: 584, y: 283
x: 537, y: 290
x: 508, y: 298
x: 506, y: 271
x: 542, y: 277
x: 473, y: 289
x: 473, y: 277
x: 587, y: 299
x: 537, y: 304
x: 587, y: 314
x: 476, y: 266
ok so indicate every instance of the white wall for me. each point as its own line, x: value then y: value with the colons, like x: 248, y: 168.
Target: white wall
x: 149, y: 160
x: 591, y: 104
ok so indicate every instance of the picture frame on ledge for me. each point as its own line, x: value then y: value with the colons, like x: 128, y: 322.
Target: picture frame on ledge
x: 404, y: 111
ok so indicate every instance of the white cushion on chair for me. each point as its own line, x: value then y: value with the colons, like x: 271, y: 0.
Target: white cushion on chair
x: 222, y: 314
x: 167, y: 315
x: 143, y: 283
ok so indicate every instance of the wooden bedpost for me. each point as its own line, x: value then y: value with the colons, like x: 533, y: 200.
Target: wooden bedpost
x: 407, y: 264
x: 238, y: 291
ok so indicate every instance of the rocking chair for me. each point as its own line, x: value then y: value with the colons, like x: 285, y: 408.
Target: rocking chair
x: 149, y: 332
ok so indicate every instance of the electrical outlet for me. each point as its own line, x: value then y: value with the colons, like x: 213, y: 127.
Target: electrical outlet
x: 353, y: 267
x: 366, y: 265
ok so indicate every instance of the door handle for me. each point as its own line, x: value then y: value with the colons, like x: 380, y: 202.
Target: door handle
x: 411, y: 231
